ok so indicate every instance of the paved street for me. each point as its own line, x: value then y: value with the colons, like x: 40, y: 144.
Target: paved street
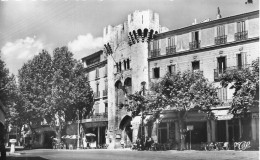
x: 96, y: 154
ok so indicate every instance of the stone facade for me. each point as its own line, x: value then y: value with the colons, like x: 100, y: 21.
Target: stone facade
x: 140, y: 51
x: 211, y: 47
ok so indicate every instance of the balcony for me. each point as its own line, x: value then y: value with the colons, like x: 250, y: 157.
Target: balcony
x: 170, y: 50
x: 105, y: 93
x: 218, y: 73
x: 221, y: 40
x: 97, y: 95
x: 194, y: 45
x: 226, y: 102
x: 155, y: 53
x: 239, y: 36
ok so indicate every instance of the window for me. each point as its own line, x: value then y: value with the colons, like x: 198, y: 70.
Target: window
x: 241, y: 31
x: 125, y: 65
x: 97, y: 72
x: 221, y: 37
x: 120, y: 66
x: 241, y: 26
x: 239, y: 61
x: 195, y: 65
x: 105, y: 70
x: 97, y: 88
x: 128, y: 63
x: 221, y: 64
x: 156, y: 44
x: 106, y: 108
x: 195, y: 43
x: 221, y: 30
x: 195, y: 36
x: 222, y: 94
x: 171, y: 41
x: 117, y: 67
x: 171, y: 69
x: 156, y: 72
x: 155, y: 51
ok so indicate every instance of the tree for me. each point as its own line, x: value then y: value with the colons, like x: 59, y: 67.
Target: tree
x: 245, y: 82
x: 183, y: 92
x: 34, y: 85
x: 70, y: 90
x: 7, y: 84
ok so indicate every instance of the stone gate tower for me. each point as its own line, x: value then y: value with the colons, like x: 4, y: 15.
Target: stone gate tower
x: 127, y: 48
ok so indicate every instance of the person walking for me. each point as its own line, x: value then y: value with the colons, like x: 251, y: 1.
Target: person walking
x: 2, y: 142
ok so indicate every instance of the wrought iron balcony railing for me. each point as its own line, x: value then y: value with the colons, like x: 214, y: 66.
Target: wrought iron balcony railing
x: 221, y: 40
x: 170, y: 50
x: 194, y: 45
x: 218, y: 73
x: 226, y: 102
x: 241, y: 36
x: 155, y: 53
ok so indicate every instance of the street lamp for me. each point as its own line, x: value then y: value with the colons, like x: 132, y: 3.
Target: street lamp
x: 78, y: 132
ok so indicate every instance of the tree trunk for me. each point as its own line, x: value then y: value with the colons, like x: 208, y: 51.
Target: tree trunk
x: 182, y: 131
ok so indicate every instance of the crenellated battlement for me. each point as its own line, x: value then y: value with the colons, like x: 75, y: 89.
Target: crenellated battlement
x: 139, y: 27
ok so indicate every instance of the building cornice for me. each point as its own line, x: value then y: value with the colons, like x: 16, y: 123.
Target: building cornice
x: 208, y: 48
x: 92, y: 55
x: 206, y: 24
x: 91, y: 67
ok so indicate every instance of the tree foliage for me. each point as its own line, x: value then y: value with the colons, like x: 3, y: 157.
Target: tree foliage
x: 34, y: 86
x: 185, y: 91
x: 245, y: 82
x: 53, y: 89
x: 180, y: 92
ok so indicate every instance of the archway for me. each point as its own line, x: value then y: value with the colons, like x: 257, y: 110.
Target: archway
x: 128, y: 85
x: 127, y: 132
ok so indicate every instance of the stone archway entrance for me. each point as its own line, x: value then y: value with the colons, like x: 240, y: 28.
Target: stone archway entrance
x: 127, y: 132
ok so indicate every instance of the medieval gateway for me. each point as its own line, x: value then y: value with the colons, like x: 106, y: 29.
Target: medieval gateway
x: 140, y: 51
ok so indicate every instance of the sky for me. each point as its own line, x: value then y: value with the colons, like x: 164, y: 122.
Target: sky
x: 28, y: 26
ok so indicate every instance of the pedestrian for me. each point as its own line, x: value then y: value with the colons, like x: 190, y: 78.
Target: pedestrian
x: 2, y: 142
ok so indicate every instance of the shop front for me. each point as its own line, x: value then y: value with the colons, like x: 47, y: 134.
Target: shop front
x: 98, y: 127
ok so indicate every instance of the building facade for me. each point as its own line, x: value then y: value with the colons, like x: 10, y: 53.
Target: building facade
x: 140, y: 51
x: 211, y: 47
x: 96, y: 69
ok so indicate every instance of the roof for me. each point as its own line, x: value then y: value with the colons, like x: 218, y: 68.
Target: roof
x: 92, y: 55
x: 206, y: 24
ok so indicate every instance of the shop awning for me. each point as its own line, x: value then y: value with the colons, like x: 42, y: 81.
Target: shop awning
x: 95, y: 124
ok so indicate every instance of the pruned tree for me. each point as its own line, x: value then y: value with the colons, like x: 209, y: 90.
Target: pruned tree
x: 245, y: 82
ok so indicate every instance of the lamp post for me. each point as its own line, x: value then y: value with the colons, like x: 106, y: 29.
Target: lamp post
x: 78, y: 132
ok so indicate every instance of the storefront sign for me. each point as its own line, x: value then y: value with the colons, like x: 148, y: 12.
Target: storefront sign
x: 94, y: 120
x: 167, y: 120
x: 225, y: 117
x: 255, y: 115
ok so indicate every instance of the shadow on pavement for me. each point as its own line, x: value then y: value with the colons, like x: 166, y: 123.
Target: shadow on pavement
x: 25, y: 158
